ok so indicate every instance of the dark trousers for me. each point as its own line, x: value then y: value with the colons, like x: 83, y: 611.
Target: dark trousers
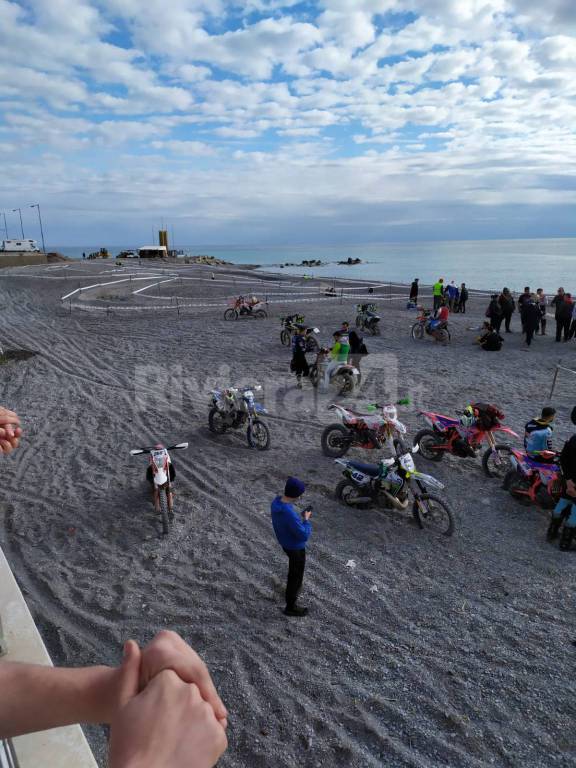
x: 437, y: 302
x: 572, y: 329
x: 529, y: 329
x: 543, y: 325
x: 497, y: 322
x: 562, y: 326
x: 296, y: 564
x: 507, y: 317
x: 462, y: 306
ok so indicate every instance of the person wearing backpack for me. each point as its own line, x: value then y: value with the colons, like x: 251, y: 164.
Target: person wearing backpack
x: 508, y: 306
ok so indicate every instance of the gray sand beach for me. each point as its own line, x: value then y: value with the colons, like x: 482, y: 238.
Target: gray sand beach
x: 428, y: 653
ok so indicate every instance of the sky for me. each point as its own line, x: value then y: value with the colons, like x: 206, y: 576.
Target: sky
x: 270, y: 122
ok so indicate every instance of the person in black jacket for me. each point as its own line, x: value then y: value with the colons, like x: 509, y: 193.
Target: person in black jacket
x: 565, y: 510
x: 463, y: 298
x: 506, y: 301
x: 557, y: 302
x: 299, y: 364
x: 530, y: 315
x: 494, y: 312
x: 357, y: 349
x: 414, y: 290
x: 564, y: 317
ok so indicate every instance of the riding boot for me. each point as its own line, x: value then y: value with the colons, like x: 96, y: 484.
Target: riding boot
x: 568, y: 533
x: 554, y: 528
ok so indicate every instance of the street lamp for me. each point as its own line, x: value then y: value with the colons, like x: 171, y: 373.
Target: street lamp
x: 21, y: 225
x: 37, y: 205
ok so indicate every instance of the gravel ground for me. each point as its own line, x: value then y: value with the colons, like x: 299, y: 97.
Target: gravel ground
x: 430, y: 652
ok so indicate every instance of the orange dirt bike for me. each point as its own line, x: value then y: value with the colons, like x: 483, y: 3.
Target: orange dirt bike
x: 242, y: 307
x: 160, y: 474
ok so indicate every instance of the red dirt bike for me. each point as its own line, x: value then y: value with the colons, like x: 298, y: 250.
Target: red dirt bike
x: 369, y: 430
x: 534, y: 482
x: 426, y: 325
x: 448, y: 435
x: 242, y: 307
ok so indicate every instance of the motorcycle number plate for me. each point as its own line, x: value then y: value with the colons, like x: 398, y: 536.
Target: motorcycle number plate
x: 359, y: 478
x: 407, y: 463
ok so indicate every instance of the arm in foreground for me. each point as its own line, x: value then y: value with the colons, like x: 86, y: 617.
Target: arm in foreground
x: 36, y: 698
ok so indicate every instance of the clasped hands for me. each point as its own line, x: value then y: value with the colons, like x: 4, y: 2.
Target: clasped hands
x: 167, y: 712
x: 10, y: 431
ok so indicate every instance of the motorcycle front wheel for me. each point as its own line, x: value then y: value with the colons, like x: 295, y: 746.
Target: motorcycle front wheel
x: 348, y: 492
x: 216, y: 422
x: 285, y: 338
x: 417, y: 331
x: 258, y: 435
x: 312, y: 345
x: 335, y: 441
x: 344, y: 384
x: 426, y: 439
x: 231, y: 314
x: 375, y: 329
x: 496, y: 461
x: 434, y: 514
x: 260, y: 314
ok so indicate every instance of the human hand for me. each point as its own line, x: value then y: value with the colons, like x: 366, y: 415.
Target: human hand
x: 169, y: 651
x: 167, y: 725
x: 10, y: 431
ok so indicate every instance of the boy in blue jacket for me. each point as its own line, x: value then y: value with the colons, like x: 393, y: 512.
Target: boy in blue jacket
x: 292, y: 531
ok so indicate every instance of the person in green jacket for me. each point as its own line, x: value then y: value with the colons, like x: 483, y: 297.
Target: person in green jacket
x: 438, y: 293
x: 338, y: 355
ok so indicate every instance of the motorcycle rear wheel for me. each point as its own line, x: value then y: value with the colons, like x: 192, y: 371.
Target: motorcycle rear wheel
x: 312, y: 345
x: 417, y: 331
x: 216, y: 422
x: 335, y: 441
x: 443, y: 336
x: 258, y: 435
x: 260, y: 314
x: 437, y: 515
x: 230, y: 314
x: 346, y: 491
x: 425, y: 439
x: 496, y: 461
x: 513, y: 483
x: 375, y: 329
x: 285, y: 338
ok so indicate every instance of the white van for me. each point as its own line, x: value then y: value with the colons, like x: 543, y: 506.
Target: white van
x: 20, y: 245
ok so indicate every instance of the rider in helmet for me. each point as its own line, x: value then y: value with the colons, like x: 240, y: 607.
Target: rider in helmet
x: 150, y: 478
x: 565, y: 510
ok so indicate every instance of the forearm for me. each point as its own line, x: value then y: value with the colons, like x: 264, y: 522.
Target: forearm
x: 36, y: 698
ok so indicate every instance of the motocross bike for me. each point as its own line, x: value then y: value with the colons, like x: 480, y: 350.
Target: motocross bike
x: 367, y: 319
x: 362, y: 430
x: 289, y: 326
x: 160, y: 474
x: 241, y: 308
x: 233, y: 408
x: 422, y: 327
x: 345, y: 378
x: 447, y: 435
x: 394, y: 483
x: 534, y: 482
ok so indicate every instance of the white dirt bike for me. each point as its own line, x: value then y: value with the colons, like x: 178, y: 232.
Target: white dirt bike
x: 160, y: 474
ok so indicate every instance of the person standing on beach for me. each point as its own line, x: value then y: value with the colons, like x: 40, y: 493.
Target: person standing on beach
x: 494, y: 312
x: 438, y: 293
x: 565, y: 510
x: 542, y: 303
x: 463, y: 298
x: 524, y: 298
x: 557, y: 303
x: 507, y: 304
x: 414, y: 290
x: 530, y: 319
x: 292, y: 531
x: 452, y: 294
x: 299, y: 364
x: 564, y: 318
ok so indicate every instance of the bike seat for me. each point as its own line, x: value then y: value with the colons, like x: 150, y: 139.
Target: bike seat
x: 368, y: 469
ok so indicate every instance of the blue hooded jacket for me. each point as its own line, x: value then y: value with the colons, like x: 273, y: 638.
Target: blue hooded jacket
x: 291, y: 530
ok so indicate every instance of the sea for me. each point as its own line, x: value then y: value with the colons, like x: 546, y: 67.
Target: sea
x: 546, y: 263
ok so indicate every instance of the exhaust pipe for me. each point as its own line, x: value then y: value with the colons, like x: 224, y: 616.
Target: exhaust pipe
x: 396, y: 503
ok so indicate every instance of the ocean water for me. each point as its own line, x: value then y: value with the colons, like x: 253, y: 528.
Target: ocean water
x: 486, y: 264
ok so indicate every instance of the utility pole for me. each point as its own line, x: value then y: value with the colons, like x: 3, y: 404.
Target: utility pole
x: 37, y: 205
x: 21, y: 225
x: 5, y: 226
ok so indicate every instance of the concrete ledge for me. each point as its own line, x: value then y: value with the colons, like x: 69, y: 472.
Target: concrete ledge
x: 21, y: 259
x: 60, y: 747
